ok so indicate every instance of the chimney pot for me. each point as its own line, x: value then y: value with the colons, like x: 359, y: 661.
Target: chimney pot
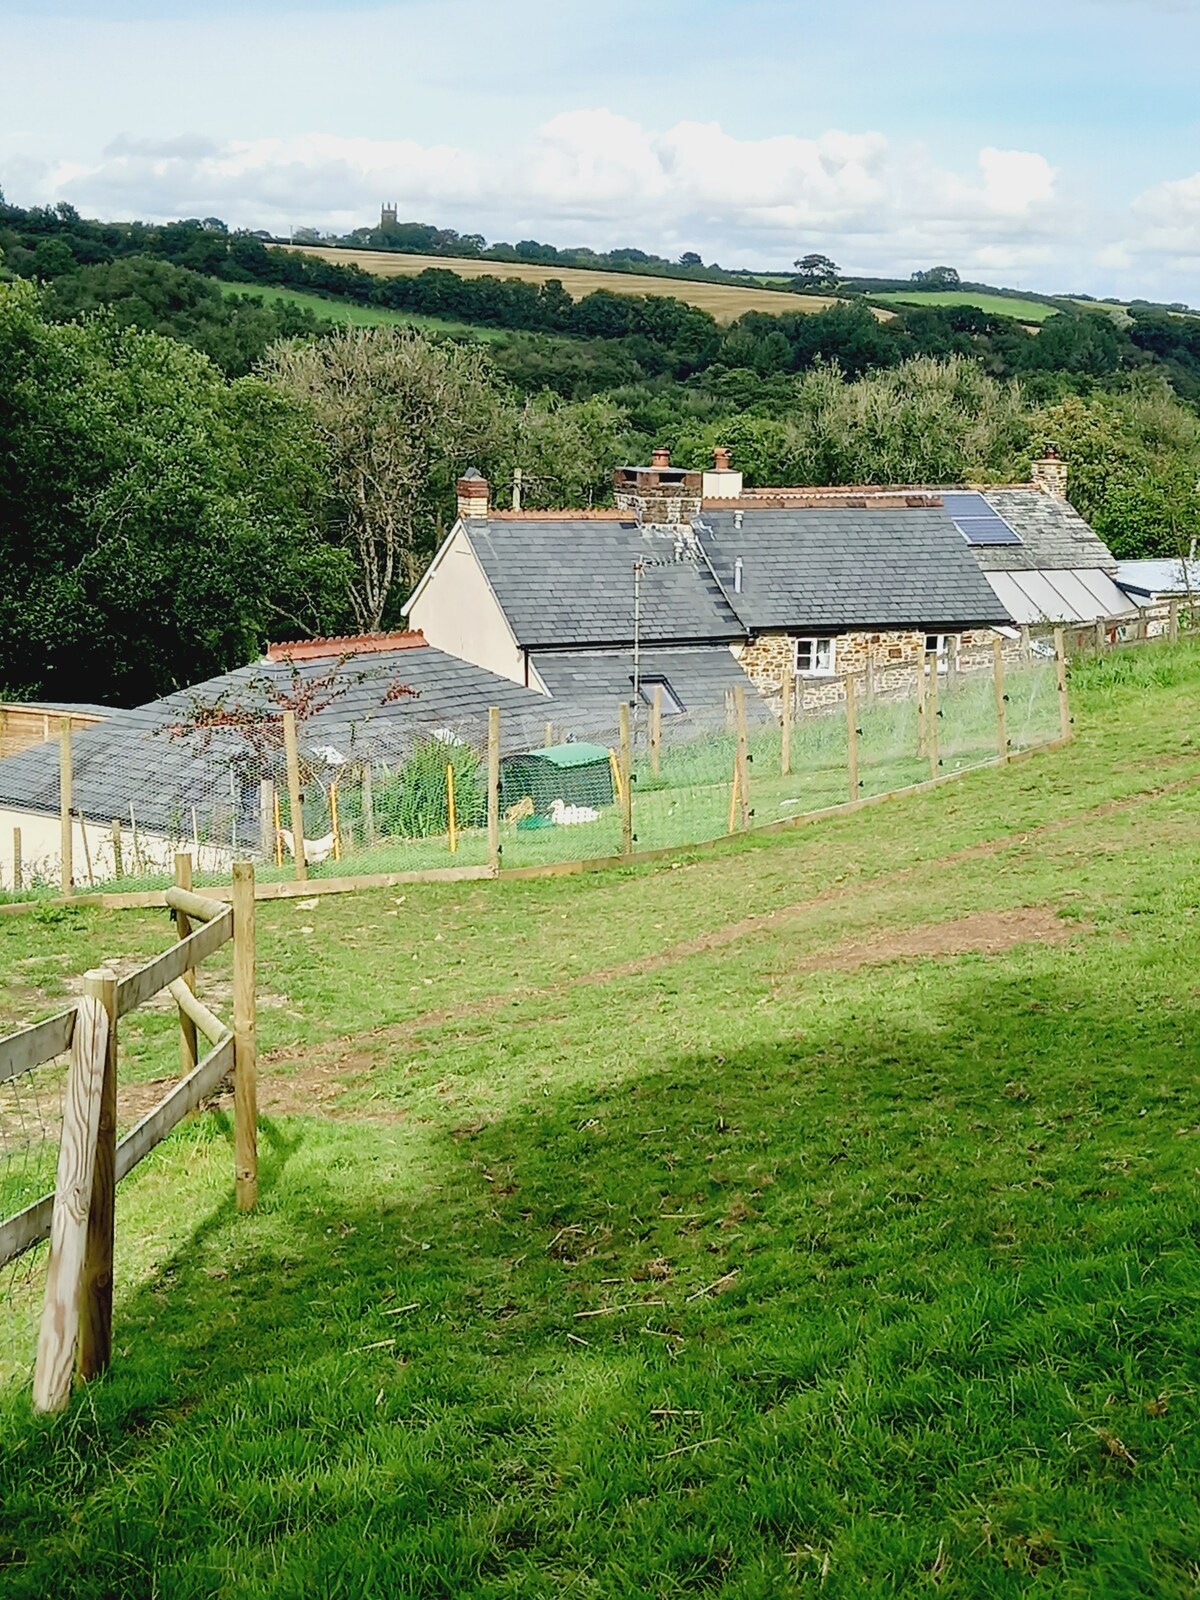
x: 660, y: 457
x: 472, y: 490
x: 720, y: 459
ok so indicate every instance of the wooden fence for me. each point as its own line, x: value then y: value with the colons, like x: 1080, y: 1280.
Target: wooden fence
x: 78, y: 1217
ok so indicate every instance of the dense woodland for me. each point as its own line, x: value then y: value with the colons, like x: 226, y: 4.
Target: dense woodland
x: 177, y: 484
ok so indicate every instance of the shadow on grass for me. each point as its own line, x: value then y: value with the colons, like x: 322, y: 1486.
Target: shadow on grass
x: 857, y: 1312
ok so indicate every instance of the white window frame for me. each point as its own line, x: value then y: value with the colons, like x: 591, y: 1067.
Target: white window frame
x: 818, y: 644
x: 945, y: 647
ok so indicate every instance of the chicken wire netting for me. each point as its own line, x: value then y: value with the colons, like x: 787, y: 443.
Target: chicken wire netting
x: 31, y: 1108
x: 397, y: 795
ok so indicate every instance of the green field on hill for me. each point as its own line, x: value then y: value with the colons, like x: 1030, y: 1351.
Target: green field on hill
x: 813, y: 1216
x: 360, y: 316
x: 997, y: 305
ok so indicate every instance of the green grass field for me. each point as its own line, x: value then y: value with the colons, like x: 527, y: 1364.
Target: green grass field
x: 361, y: 316
x: 816, y: 1216
x: 998, y: 305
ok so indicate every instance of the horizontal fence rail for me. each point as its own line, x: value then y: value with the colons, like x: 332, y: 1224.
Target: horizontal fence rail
x: 78, y: 1216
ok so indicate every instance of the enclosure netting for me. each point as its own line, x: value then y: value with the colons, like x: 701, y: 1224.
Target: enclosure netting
x: 397, y: 796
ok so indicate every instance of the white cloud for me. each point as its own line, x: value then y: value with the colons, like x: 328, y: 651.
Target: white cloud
x: 1168, y: 221
x: 594, y: 176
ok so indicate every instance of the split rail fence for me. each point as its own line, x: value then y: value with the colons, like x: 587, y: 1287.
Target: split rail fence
x: 78, y: 1216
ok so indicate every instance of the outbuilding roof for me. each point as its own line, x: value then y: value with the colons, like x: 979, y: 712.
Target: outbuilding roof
x: 378, y: 705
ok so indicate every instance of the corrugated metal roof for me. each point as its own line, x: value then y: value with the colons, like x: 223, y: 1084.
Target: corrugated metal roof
x: 1059, y: 595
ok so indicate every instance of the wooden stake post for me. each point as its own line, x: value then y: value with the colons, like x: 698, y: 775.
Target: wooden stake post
x: 96, y: 1289
x: 451, y: 809
x: 118, y: 857
x: 656, y: 731
x: 743, y: 756
x: 1001, y: 712
x: 493, y: 800
x: 59, y: 1334
x: 785, y: 732
x: 931, y: 714
x: 922, y: 710
x: 1173, y: 619
x: 1060, y: 672
x: 188, y: 1055
x: 66, y: 826
x: 295, y: 794
x: 18, y: 869
x: 368, y: 805
x: 626, y: 781
x: 852, y: 735
x: 245, y: 1048
x: 266, y: 819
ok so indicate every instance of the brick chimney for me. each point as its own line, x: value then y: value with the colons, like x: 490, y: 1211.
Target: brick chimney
x: 472, y: 496
x: 1049, y: 473
x: 721, y: 483
x: 660, y: 495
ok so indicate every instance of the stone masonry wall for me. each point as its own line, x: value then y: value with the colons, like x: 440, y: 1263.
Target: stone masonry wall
x: 883, y: 664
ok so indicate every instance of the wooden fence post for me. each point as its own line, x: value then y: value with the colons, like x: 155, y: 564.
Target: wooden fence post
x: 852, y: 735
x: 931, y: 714
x: 1060, y: 669
x: 921, y: 708
x: 59, y: 1334
x: 493, y: 801
x: 96, y: 1291
x: 367, y: 800
x: 743, y: 755
x: 266, y: 819
x: 295, y: 794
x: 626, y: 781
x: 188, y: 1053
x: 66, y: 825
x: 656, y: 730
x: 18, y: 868
x: 549, y: 739
x: 1001, y: 710
x: 118, y: 856
x: 1026, y: 645
x: 451, y: 810
x: 245, y: 1049
x: 785, y: 732
x: 1101, y: 636
x: 1173, y: 619
x: 87, y: 850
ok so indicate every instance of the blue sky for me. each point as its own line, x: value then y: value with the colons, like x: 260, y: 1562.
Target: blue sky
x: 1052, y: 145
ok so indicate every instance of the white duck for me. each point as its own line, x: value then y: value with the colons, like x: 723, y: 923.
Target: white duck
x: 565, y: 816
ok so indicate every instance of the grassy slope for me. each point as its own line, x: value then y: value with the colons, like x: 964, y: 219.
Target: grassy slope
x: 725, y: 301
x: 895, y: 1265
x: 359, y: 316
x: 996, y: 304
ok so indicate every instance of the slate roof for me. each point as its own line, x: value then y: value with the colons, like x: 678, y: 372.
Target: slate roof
x: 832, y: 568
x: 570, y: 582
x: 596, y: 681
x: 131, y: 757
x: 1053, y: 536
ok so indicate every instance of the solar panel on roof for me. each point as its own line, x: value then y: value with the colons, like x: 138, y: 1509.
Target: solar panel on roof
x: 977, y: 521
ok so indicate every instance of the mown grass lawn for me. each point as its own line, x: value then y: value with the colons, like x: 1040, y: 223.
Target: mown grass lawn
x: 997, y: 305
x: 816, y: 1216
x: 331, y: 310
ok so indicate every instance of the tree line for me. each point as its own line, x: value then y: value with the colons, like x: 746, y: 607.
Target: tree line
x: 188, y: 473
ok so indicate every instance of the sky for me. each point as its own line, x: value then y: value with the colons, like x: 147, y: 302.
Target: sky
x: 1051, y: 145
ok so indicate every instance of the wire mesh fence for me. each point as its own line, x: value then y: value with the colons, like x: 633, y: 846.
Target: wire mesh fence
x: 31, y: 1112
x: 399, y: 795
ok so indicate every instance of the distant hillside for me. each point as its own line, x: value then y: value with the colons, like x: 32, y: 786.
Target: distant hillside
x: 724, y: 301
